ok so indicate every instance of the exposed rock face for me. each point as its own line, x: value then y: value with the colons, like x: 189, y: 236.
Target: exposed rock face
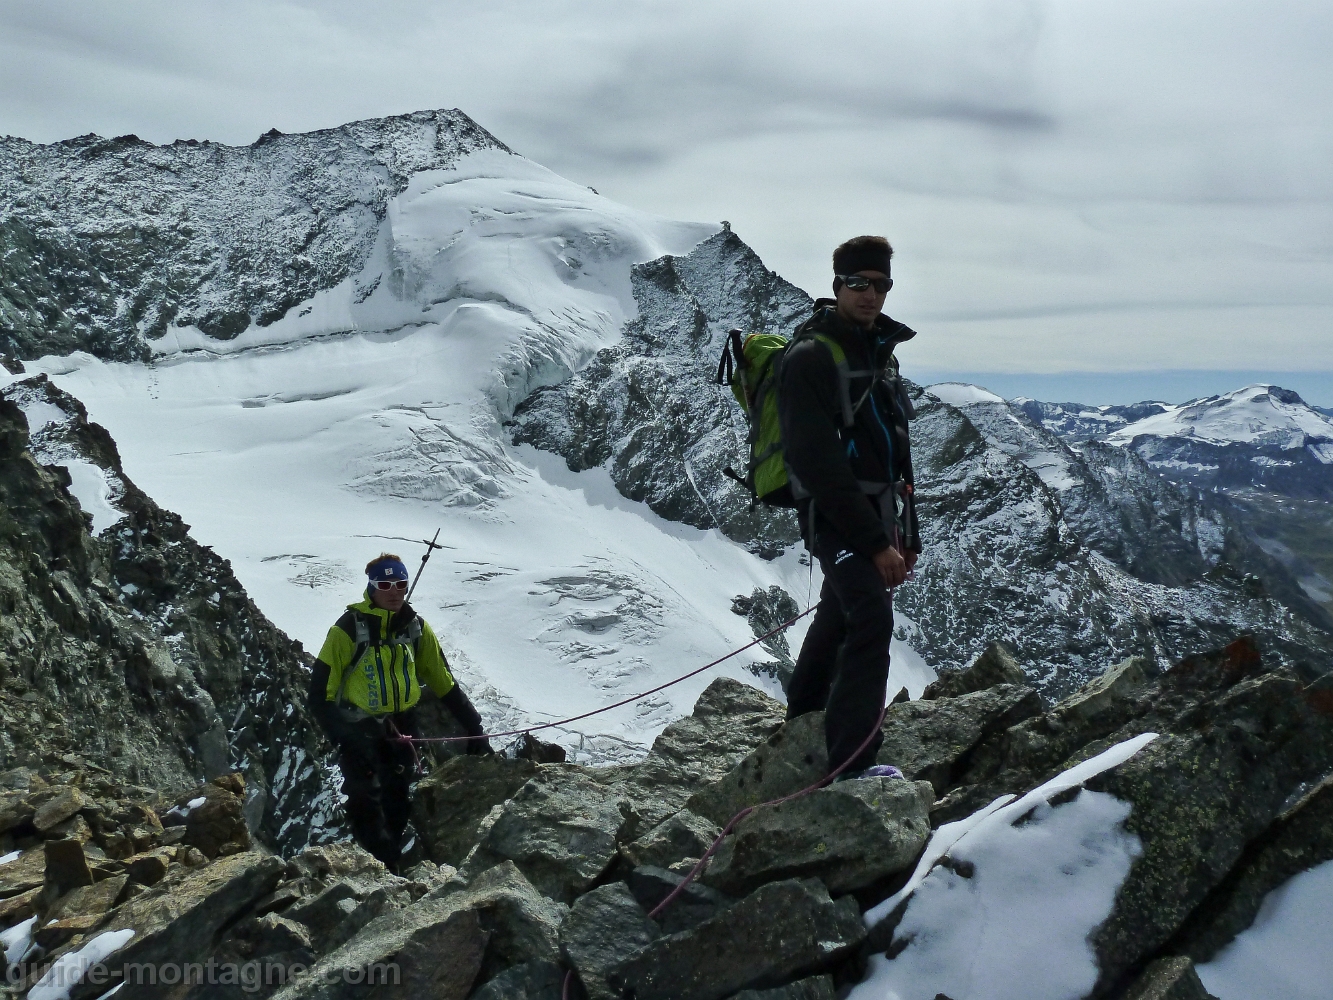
x: 137, y: 647
x: 680, y: 835
x: 932, y: 740
x: 1226, y: 802
x: 106, y: 242
x: 1300, y: 839
x: 630, y: 407
x: 179, y: 919
x: 994, y: 666
x: 729, y: 721
x: 1169, y: 979
x: 1231, y: 779
x: 520, y: 924
x: 429, y: 949
x: 451, y: 803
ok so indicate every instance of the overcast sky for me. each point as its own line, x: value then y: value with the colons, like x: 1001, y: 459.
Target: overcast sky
x: 1072, y: 187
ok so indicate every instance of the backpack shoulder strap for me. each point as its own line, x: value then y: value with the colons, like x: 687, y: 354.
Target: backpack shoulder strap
x: 361, y: 636
x: 844, y: 378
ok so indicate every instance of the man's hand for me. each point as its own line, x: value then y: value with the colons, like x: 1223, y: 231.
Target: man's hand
x: 891, y: 566
x: 479, y: 746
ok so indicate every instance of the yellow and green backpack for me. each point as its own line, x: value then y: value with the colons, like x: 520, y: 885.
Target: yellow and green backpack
x: 751, y: 366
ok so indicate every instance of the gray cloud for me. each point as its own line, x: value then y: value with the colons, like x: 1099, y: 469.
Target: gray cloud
x: 1145, y: 174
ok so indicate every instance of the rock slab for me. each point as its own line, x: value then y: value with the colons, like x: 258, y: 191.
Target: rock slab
x: 781, y: 932
x: 851, y: 835
x: 605, y: 927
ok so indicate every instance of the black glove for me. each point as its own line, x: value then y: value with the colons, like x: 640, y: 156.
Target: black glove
x: 466, y: 713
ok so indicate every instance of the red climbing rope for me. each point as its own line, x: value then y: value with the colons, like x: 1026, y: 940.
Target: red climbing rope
x: 632, y: 698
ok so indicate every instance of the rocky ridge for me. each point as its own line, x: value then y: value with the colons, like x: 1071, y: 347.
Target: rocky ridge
x: 559, y: 870
x: 137, y: 648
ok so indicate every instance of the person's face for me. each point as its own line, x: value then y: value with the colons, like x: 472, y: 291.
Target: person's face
x: 390, y: 600
x: 861, y: 308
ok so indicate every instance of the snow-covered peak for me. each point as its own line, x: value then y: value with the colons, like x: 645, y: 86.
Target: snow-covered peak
x: 1261, y: 414
x: 962, y: 393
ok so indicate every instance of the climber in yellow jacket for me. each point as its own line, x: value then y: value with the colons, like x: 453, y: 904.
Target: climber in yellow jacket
x: 362, y: 691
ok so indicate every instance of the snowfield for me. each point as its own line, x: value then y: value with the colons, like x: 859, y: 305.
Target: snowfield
x: 1284, y: 955
x: 373, y: 414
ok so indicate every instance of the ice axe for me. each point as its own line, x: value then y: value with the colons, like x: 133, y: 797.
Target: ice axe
x: 430, y: 547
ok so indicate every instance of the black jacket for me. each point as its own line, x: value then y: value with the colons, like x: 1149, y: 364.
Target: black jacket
x: 829, y: 461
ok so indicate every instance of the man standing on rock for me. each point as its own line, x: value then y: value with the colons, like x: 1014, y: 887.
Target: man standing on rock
x: 362, y: 690
x: 844, y: 413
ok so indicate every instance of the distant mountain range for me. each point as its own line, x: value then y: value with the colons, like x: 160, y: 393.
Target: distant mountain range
x: 1261, y: 450
x: 1260, y: 437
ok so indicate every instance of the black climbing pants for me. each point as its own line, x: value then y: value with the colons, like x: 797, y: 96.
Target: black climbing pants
x: 843, y: 666
x: 377, y: 779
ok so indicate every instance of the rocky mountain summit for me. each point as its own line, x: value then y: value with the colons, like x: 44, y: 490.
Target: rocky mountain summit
x: 107, y: 243
x: 1072, y: 556
x: 547, y: 877
x: 136, y: 648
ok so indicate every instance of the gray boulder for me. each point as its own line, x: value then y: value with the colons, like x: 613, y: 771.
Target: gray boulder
x: 1201, y: 794
x: 561, y: 830
x: 450, y: 804
x: 995, y: 665
x: 604, y: 927
x: 429, y: 949
x: 1026, y: 754
x: 521, y: 925
x: 1300, y: 839
x: 681, y: 835
x: 852, y: 835
x: 931, y: 740
x: 529, y: 981
x: 325, y: 913
x: 790, y: 759
x: 1171, y: 978
x: 730, y: 721
x: 692, y: 906
x: 781, y: 932
x: 180, y: 919
x: 814, y: 988
x: 1103, y: 695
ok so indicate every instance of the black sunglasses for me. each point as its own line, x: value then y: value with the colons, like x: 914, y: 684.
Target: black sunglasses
x: 859, y: 283
x: 389, y: 584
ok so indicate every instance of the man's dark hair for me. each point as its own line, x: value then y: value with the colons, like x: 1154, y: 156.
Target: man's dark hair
x: 863, y: 253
